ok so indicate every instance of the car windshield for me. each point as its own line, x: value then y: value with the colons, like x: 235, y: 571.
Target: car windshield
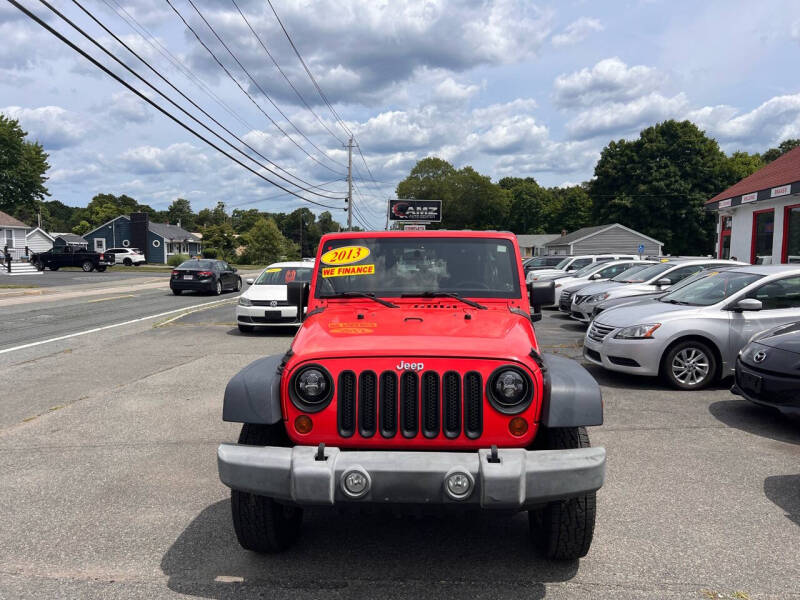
x: 563, y: 264
x: 625, y: 276
x: 197, y: 264
x: 395, y: 266
x: 712, y: 287
x: 540, y: 261
x: 588, y: 269
x: 648, y: 273
x: 283, y: 275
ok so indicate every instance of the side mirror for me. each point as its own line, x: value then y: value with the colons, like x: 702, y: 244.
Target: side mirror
x: 749, y: 304
x: 297, y: 295
x: 541, y: 293
x: 234, y: 269
x: 249, y: 281
x: 595, y: 276
x: 663, y: 282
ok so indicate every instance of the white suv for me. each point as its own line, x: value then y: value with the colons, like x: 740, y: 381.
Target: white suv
x: 573, y: 263
x: 127, y: 256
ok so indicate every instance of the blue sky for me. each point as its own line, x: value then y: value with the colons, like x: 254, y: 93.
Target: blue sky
x: 509, y: 87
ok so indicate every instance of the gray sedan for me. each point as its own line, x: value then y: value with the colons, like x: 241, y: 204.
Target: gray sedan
x: 692, y: 336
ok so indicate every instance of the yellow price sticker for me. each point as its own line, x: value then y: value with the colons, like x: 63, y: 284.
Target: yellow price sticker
x: 345, y: 255
x: 273, y: 270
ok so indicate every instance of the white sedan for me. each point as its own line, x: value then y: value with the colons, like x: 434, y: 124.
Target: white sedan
x: 265, y: 303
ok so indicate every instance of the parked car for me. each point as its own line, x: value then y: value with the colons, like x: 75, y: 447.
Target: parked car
x: 127, y: 256
x: 767, y: 369
x: 614, y: 302
x: 656, y: 278
x: 573, y: 263
x: 72, y: 256
x: 539, y: 263
x: 408, y: 390
x: 265, y: 302
x: 204, y: 275
x: 692, y: 336
x: 566, y: 286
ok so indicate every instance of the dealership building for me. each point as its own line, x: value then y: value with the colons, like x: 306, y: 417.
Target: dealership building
x: 759, y: 217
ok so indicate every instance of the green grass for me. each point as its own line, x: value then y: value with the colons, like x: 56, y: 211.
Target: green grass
x: 17, y: 286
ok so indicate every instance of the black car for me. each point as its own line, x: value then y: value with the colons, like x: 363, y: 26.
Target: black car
x: 537, y: 263
x: 204, y: 275
x: 72, y: 256
x: 768, y: 369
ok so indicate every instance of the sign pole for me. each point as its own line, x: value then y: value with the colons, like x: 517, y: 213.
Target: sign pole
x: 350, y: 184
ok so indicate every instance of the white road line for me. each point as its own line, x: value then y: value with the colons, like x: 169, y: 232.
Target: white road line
x: 104, y: 327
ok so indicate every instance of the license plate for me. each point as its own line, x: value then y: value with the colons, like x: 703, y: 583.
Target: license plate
x: 272, y: 315
x: 188, y: 276
x: 751, y: 382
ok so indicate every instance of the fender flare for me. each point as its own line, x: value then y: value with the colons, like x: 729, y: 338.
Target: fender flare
x: 253, y: 395
x: 572, y: 397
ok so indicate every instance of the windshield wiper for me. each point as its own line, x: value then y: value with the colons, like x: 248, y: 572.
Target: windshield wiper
x: 673, y: 301
x: 455, y: 295
x: 369, y: 295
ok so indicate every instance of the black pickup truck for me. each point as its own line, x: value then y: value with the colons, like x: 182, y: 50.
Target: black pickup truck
x: 70, y: 256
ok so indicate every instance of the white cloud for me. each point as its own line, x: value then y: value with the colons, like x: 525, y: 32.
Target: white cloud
x: 181, y: 157
x: 51, y: 126
x: 577, y: 31
x: 795, y: 31
x: 776, y: 119
x: 610, y: 80
x: 449, y: 90
x: 618, y: 118
x: 128, y: 108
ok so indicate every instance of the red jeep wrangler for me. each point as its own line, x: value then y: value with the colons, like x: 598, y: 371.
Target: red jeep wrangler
x: 415, y: 379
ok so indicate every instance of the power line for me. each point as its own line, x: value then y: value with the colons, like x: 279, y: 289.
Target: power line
x: 252, y: 79
x: 275, y: 196
x: 147, y: 64
x: 166, y: 113
x: 277, y: 66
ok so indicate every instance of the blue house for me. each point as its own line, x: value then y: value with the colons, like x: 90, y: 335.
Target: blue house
x: 158, y: 241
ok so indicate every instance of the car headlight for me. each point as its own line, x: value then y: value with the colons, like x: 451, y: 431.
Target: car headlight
x: 245, y: 301
x: 638, y: 332
x: 311, y: 388
x: 509, y: 390
x: 558, y: 285
x: 598, y: 297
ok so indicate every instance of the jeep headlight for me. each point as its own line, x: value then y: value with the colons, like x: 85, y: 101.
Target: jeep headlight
x: 598, y: 297
x: 311, y: 388
x: 638, y: 332
x: 245, y: 301
x: 509, y: 390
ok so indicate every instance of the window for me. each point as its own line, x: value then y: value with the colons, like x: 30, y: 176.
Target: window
x: 763, y: 230
x: 126, y: 243
x: 614, y: 270
x: 579, y: 263
x: 714, y: 287
x: 156, y: 243
x: 10, y: 238
x: 783, y: 293
x: 791, y: 234
x: 281, y: 275
x: 682, y: 273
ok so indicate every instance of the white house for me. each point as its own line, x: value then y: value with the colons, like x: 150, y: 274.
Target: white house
x: 38, y: 240
x: 533, y: 244
x: 12, y: 235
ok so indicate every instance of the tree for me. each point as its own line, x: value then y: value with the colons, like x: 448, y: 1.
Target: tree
x: 223, y: 238
x: 741, y: 164
x: 568, y: 208
x: 782, y: 149
x: 266, y: 244
x: 658, y: 184
x: 180, y: 211
x: 23, y: 165
x: 81, y: 228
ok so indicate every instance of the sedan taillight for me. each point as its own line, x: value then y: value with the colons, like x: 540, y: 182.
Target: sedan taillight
x: 175, y: 272
x: 205, y: 273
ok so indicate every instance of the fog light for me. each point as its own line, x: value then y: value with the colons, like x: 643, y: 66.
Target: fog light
x: 458, y: 484
x: 303, y: 424
x: 518, y: 426
x: 355, y: 483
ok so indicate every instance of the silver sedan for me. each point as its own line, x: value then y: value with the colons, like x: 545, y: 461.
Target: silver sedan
x: 692, y: 336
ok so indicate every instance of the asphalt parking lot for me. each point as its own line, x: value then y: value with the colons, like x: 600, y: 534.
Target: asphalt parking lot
x: 109, y: 489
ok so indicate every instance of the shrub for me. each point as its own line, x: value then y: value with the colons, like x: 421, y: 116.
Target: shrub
x: 177, y: 259
x: 210, y: 253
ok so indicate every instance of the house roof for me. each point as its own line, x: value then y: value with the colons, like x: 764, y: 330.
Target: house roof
x: 784, y: 169
x: 71, y: 238
x: 586, y: 232
x: 42, y: 231
x: 7, y: 220
x: 535, y: 240
x: 172, y: 232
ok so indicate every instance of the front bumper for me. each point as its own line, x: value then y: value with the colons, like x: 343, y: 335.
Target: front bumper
x: 638, y: 357
x: 767, y: 389
x: 582, y: 312
x: 519, y: 480
x: 260, y: 316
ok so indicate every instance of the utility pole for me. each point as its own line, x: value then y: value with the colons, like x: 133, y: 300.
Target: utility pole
x: 350, y: 184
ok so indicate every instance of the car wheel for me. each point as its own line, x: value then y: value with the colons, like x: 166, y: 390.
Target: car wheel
x: 238, y: 284
x: 39, y: 266
x: 87, y: 266
x: 246, y: 328
x: 689, y: 365
x: 563, y: 530
x: 177, y: 292
x: 101, y: 269
x: 54, y: 268
x: 218, y: 288
x: 262, y: 524
x: 127, y: 262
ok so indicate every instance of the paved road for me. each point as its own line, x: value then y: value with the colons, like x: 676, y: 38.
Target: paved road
x: 48, y: 279
x: 109, y: 489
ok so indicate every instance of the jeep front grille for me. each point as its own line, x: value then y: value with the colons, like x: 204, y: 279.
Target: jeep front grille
x: 431, y: 404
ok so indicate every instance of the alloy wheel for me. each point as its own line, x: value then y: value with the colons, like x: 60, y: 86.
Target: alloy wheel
x: 691, y: 366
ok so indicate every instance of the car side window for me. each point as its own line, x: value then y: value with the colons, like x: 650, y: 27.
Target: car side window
x: 614, y: 270
x: 682, y: 273
x: 579, y: 263
x: 783, y: 293
x: 605, y: 258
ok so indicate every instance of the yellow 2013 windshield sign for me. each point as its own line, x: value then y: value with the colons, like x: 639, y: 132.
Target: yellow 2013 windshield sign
x: 345, y: 255
x: 350, y: 270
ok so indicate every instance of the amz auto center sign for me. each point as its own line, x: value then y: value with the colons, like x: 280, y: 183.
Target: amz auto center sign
x: 428, y: 211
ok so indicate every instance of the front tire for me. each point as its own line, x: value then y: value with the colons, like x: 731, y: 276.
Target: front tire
x: 87, y: 266
x: 563, y: 530
x: 177, y: 292
x: 54, y: 268
x: 218, y: 288
x: 262, y: 524
x: 127, y: 262
x: 238, y: 284
x: 689, y: 365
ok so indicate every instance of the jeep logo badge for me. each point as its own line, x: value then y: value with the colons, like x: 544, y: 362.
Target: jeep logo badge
x: 405, y: 366
x: 759, y: 356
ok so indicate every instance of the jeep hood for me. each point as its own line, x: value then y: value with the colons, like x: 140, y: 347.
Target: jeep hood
x: 411, y: 332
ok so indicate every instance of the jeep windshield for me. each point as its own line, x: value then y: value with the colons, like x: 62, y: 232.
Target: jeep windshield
x: 405, y: 266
